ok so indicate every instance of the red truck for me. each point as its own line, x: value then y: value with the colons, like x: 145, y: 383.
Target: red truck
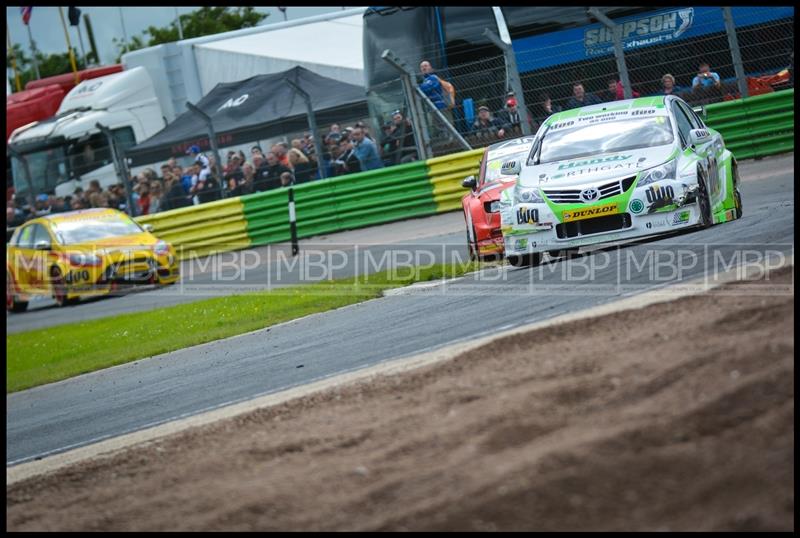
x: 41, y: 98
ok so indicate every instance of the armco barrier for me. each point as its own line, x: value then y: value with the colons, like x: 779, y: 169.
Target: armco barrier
x: 755, y: 126
x: 341, y: 203
x: 203, y: 229
x: 446, y: 174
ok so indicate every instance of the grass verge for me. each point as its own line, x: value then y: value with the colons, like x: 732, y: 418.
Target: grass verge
x: 47, y: 355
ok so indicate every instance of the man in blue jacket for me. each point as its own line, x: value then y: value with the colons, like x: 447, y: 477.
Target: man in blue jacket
x: 431, y: 86
x: 366, y: 151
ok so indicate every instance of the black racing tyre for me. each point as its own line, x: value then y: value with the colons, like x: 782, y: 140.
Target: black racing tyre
x: 473, y: 247
x: 12, y: 305
x: 703, y: 201
x: 59, y: 288
x: 525, y: 260
x: 737, y: 196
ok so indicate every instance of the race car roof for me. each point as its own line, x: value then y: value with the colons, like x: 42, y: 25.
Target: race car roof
x: 613, y: 110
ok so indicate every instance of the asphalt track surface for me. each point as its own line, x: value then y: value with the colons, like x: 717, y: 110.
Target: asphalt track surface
x: 60, y: 416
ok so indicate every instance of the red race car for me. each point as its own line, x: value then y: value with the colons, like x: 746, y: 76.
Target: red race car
x: 481, y: 210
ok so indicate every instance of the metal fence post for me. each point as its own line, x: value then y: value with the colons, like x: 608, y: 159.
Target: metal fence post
x: 421, y: 135
x: 619, y: 53
x: 212, y: 138
x: 312, y: 124
x: 736, y: 55
x: 120, y: 166
x: 453, y: 131
x: 514, y: 80
x: 293, y: 221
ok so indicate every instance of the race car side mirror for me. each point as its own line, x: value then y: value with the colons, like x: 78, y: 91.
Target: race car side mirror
x: 148, y: 227
x: 699, y: 136
x: 469, y: 183
x: 511, y: 168
x: 42, y: 245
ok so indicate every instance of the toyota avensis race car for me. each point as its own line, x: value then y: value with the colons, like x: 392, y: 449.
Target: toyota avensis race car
x: 616, y: 171
x: 83, y: 253
x: 482, y: 205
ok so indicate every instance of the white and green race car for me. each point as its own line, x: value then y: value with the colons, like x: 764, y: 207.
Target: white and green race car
x: 616, y: 171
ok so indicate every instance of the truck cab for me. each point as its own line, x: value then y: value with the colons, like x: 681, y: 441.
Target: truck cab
x: 68, y: 150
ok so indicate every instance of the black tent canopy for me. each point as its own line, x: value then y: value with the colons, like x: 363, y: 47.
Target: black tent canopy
x: 259, y: 107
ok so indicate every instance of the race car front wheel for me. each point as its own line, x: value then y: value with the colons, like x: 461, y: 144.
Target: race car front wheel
x: 12, y: 305
x: 60, y: 288
x: 737, y: 196
x: 703, y: 201
x: 525, y: 260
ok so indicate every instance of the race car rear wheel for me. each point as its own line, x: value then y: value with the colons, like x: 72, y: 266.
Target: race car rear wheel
x: 525, y: 260
x: 737, y: 196
x: 12, y: 305
x: 703, y: 201
x: 59, y: 288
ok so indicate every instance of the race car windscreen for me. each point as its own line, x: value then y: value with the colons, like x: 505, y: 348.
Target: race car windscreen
x: 69, y: 232
x: 604, y: 137
x: 493, y: 168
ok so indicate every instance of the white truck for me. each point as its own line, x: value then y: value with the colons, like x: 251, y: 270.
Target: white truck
x: 68, y: 150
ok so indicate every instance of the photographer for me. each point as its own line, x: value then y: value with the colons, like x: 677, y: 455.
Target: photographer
x: 705, y: 78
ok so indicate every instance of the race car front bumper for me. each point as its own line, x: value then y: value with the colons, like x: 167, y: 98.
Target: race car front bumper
x: 549, y: 234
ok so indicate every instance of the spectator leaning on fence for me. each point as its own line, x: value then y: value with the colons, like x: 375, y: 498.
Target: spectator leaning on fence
x: 487, y: 127
x: 581, y: 98
x: 348, y: 157
x: 303, y: 169
x: 404, y: 131
x: 511, y: 118
x: 436, y: 90
x: 366, y: 151
x: 543, y: 110
x: 156, y: 196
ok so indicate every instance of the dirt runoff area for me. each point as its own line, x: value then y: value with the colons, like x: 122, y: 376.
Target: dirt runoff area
x: 678, y: 416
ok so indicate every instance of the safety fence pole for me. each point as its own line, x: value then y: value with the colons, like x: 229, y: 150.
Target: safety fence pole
x: 512, y: 75
x: 619, y: 53
x: 120, y: 166
x: 736, y: 55
x: 312, y: 124
x: 423, y: 141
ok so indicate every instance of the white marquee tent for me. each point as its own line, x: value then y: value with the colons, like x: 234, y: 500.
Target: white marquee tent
x: 329, y: 45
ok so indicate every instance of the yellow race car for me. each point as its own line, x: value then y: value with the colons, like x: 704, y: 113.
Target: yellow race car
x: 81, y: 254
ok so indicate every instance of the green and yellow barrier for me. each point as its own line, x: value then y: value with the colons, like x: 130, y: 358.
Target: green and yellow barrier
x: 446, y: 174
x: 202, y: 229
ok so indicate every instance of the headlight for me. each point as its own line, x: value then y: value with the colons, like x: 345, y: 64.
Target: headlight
x: 85, y: 259
x: 161, y: 248
x: 528, y: 196
x: 665, y: 171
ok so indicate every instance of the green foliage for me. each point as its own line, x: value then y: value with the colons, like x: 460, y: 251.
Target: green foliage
x: 49, y: 64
